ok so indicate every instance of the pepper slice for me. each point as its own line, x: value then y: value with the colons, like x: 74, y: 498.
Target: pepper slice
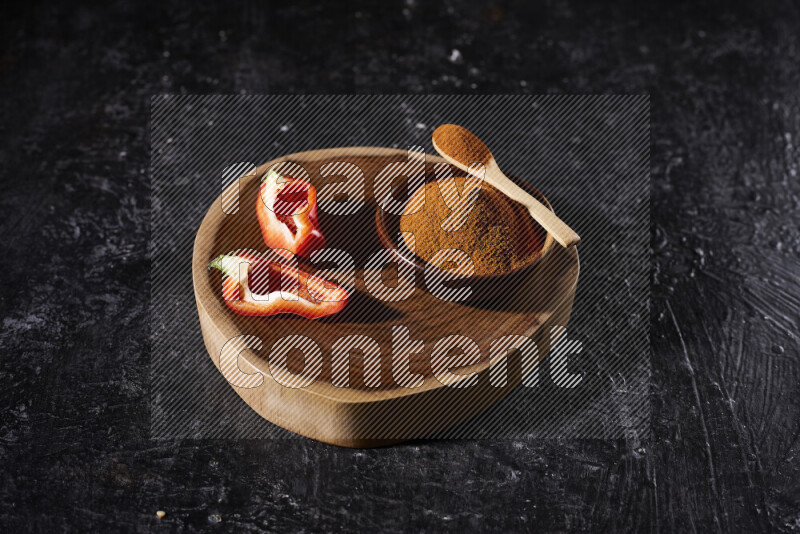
x: 263, y: 292
x: 287, y: 214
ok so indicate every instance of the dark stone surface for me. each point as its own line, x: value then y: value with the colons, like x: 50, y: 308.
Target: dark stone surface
x: 74, y: 421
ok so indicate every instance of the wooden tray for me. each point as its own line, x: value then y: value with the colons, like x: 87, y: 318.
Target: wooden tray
x: 361, y: 416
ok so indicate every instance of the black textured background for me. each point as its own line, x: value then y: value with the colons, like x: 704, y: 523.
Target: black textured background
x: 75, y: 84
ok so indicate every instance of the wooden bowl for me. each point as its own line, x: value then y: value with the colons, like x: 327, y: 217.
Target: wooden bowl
x: 361, y: 416
x: 483, y: 287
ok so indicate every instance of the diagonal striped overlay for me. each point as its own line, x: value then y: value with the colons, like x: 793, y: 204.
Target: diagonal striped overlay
x: 589, y: 154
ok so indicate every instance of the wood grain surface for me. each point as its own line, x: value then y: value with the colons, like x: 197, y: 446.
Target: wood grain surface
x: 536, y: 300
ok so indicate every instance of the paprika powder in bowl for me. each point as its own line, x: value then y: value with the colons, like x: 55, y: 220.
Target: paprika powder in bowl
x: 497, y: 241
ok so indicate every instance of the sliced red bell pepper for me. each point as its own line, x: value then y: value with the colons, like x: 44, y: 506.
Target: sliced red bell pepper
x: 287, y: 214
x: 263, y: 292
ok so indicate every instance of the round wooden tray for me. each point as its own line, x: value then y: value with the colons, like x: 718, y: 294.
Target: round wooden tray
x: 360, y: 416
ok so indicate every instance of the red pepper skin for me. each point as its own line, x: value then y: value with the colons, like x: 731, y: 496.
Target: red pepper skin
x: 311, y: 289
x: 284, y: 228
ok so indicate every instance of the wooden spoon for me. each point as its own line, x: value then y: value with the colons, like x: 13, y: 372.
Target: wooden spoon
x: 462, y: 148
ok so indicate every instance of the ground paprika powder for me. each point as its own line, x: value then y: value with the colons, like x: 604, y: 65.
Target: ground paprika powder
x: 498, y: 234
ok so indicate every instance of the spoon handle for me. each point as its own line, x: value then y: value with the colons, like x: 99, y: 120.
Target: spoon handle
x: 562, y: 233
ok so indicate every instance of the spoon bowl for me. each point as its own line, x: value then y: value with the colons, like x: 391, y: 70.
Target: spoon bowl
x: 461, y: 148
